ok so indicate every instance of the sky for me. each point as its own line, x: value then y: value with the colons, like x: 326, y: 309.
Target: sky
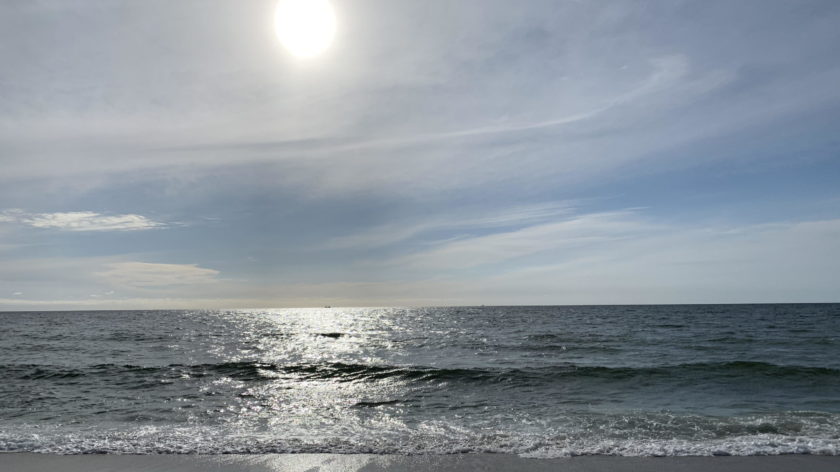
x: 163, y: 154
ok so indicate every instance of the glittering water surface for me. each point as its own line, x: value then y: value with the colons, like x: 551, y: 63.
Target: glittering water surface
x: 537, y: 381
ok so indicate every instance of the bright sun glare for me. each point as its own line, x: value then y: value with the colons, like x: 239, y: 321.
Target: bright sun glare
x: 305, y: 27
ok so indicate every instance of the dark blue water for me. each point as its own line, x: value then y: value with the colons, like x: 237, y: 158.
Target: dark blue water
x: 537, y: 381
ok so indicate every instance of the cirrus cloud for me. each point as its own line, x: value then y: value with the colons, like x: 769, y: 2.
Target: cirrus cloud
x: 80, y: 221
x: 147, y: 275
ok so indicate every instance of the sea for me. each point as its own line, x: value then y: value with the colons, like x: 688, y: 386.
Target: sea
x: 537, y: 381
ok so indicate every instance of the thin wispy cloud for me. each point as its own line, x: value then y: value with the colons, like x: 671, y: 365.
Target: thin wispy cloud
x: 476, y: 219
x: 80, y: 221
x: 569, y: 234
x: 146, y: 275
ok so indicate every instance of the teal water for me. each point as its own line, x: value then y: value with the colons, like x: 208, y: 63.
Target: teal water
x: 536, y: 381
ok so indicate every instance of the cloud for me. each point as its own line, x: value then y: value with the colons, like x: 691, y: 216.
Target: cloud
x: 398, y: 162
x: 149, y: 275
x: 584, y: 230
x: 780, y: 262
x: 667, y: 73
x: 600, y: 258
x: 80, y: 221
x: 111, y: 278
x: 476, y: 219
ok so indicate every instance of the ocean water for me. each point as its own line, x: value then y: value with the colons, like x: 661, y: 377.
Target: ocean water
x: 534, y: 381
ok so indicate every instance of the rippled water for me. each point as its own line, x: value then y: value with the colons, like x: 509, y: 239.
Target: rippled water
x: 537, y: 381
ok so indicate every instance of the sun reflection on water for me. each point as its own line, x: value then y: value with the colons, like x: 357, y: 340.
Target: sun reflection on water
x: 308, y: 370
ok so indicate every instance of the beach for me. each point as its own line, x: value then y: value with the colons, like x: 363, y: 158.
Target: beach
x: 26, y: 462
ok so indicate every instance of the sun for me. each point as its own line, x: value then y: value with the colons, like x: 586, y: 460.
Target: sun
x: 305, y: 27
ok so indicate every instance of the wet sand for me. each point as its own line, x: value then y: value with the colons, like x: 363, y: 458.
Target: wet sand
x: 21, y: 462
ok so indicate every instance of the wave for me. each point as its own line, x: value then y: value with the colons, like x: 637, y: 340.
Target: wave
x: 169, y: 439
x: 350, y: 372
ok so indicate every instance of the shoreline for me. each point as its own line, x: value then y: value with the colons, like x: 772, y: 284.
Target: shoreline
x: 31, y: 462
